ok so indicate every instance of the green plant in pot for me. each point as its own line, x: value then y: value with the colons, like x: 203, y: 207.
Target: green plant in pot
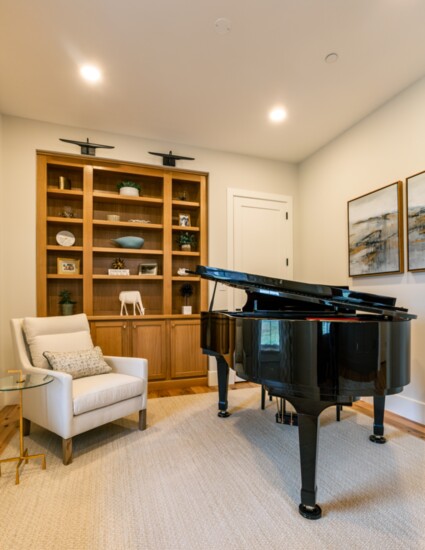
x: 186, y: 240
x: 186, y: 291
x: 67, y: 305
x: 131, y: 188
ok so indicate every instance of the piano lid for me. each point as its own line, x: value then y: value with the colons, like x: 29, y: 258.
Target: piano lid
x: 335, y: 296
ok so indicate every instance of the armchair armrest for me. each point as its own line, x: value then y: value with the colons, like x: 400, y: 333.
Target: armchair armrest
x: 50, y: 406
x: 133, y: 366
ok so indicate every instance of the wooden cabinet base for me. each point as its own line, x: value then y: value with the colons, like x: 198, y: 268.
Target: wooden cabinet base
x: 174, y: 384
x: 171, y: 346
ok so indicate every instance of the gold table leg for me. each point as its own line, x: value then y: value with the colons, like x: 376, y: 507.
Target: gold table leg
x: 23, y: 453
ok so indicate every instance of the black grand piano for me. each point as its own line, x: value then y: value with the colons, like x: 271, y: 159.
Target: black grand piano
x: 316, y: 346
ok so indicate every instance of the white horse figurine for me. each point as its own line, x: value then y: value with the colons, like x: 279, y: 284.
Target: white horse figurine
x: 131, y: 297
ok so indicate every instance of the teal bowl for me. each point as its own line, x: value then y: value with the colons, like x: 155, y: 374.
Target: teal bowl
x: 129, y: 242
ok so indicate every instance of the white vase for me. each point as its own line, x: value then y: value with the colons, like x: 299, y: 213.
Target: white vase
x: 130, y: 191
x: 187, y: 310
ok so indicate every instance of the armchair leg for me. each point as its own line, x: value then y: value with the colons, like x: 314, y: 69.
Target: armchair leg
x: 142, y: 419
x: 67, y: 451
x: 26, y: 426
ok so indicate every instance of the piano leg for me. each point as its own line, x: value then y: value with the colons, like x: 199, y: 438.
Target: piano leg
x: 338, y: 412
x: 308, y: 434
x: 378, y: 421
x: 223, y: 384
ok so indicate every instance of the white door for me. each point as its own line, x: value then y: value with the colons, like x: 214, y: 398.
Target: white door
x: 260, y: 237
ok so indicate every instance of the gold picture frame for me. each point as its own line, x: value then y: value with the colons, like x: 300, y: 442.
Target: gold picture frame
x: 68, y: 266
x: 415, y: 214
x: 375, y: 232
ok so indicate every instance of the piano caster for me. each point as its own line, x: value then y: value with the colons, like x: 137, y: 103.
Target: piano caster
x: 223, y: 414
x: 310, y: 512
x: 377, y: 438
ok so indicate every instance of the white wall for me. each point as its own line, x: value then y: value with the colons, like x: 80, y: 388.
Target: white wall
x: 3, y: 366
x: 22, y: 137
x: 387, y: 146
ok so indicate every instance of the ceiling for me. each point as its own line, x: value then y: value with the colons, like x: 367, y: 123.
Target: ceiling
x: 170, y: 75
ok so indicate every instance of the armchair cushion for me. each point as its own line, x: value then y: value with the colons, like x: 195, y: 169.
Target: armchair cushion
x: 62, y: 333
x: 34, y: 326
x: 71, y: 342
x: 88, y: 362
x: 95, y: 392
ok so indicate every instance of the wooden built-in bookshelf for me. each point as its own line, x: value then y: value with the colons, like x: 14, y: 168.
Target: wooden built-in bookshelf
x: 168, y: 339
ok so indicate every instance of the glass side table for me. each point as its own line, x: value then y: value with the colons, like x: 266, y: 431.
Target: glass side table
x: 17, y: 381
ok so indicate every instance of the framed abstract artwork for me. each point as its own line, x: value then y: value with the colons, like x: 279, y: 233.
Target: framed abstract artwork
x: 375, y: 232
x: 415, y: 209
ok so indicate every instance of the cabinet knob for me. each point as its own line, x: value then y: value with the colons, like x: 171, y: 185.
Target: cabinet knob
x: 124, y: 326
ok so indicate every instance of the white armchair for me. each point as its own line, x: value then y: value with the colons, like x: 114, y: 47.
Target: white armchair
x: 69, y: 406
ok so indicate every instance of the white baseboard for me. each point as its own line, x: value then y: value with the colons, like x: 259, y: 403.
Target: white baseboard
x: 213, y: 380
x: 9, y: 398
x: 403, y: 406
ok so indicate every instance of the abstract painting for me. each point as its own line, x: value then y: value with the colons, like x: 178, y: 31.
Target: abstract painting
x: 415, y: 190
x: 375, y: 232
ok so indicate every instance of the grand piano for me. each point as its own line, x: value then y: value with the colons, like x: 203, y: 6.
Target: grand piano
x: 316, y: 346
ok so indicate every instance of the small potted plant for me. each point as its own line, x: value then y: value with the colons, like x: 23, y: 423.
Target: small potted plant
x: 186, y: 240
x: 67, y: 305
x: 186, y: 292
x: 128, y: 188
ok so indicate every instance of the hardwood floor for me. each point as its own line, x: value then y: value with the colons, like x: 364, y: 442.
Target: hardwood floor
x: 9, y: 415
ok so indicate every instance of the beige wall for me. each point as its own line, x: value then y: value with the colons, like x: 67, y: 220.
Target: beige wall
x: 22, y: 137
x: 387, y: 146
x: 3, y: 366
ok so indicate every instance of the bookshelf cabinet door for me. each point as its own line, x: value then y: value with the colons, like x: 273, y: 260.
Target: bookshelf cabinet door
x: 186, y: 354
x: 149, y: 341
x: 113, y: 337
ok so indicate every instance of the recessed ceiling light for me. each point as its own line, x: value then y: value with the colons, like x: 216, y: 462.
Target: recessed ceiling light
x: 331, y: 58
x: 222, y: 25
x: 277, y: 114
x: 90, y: 73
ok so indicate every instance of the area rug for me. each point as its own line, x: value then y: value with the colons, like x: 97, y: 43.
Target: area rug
x: 196, y: 481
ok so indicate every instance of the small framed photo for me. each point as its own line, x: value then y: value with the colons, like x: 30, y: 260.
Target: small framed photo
x: 184, y: 220
x: 68, y: 266
x: 148, y: 269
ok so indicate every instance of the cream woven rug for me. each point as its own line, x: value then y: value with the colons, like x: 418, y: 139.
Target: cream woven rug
x: 195, y: 481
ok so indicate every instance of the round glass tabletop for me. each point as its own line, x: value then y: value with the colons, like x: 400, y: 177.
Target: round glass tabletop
x: 12, y: 381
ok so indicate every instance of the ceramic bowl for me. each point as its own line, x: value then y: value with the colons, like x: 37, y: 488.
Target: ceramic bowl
x: 129, y: 242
